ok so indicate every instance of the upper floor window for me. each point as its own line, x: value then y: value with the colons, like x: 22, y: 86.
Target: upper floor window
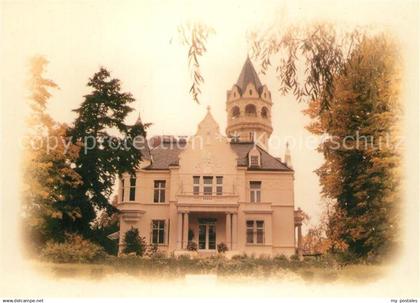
x: 132, y: 188
x: 255, y: 232
x: 264, y: 112
x: 255, y: 161
x: 158, y: 231
x: 250, y: 92
x: 219, y: 185
x: 251, y: 110
x: 122, y: 190
x: 196, y: 185
x: 207, y: 186
x: 159, y: 191
x: 255, y: 191
x: 235, y: 112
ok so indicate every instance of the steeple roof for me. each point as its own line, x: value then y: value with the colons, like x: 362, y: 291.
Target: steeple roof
x: 248, y: 75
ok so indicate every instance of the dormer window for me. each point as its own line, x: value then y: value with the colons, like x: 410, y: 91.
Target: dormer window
x: 254, y: 157
x: 255, y: 161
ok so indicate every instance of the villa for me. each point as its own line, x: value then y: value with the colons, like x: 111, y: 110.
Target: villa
x: 211, y: 189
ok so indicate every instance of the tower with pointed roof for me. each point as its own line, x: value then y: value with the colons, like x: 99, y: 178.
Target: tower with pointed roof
x: 248, y: 106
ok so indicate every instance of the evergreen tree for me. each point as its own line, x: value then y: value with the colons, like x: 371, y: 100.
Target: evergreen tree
x: 108, y: 144
x: 133, y: 243
x: 102, y: 227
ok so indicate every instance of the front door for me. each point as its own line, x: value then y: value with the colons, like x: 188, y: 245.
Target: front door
x: 207, y: 236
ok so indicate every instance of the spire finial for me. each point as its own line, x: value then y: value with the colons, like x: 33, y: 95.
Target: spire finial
x: 208, y: 108
x: 287, y: 156
x: 138, y: 121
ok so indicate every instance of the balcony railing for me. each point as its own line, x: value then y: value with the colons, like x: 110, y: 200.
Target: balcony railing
x: 213, y: 197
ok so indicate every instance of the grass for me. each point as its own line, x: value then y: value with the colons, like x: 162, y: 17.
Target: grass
x: 240, y: 269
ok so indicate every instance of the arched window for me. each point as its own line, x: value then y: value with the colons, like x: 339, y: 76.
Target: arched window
x: 235, y: 112
x: 251, y: 110
x: 264, y: 112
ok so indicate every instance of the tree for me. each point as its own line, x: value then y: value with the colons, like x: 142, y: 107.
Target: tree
x: 48, y: 178
x: 102, y: 227
x: 103, y: 156
x: 361, y: 169
x: 195, y: 36
x: 133, y: 243
x: 321, y: 238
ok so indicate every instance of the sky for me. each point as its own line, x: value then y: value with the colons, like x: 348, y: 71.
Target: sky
x: 138, y: 43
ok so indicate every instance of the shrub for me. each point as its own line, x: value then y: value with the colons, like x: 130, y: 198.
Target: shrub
x: 133, y: 243
x: 222, y: 247
x: 192, y: 246
x: 75, y: 249
x: 154, y: 252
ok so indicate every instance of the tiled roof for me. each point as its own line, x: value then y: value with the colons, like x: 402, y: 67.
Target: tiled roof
x: 164, y: 156
x: 268, y: 162
x: 248, y: 75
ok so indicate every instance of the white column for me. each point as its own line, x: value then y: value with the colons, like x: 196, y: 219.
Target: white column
x: 185, y: 236
x: 179, y: 232
x: 234, y: 231
x: 228, y: 231
x: 300, y: 251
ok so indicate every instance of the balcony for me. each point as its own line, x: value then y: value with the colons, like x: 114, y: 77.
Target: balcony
x: 213, y: 201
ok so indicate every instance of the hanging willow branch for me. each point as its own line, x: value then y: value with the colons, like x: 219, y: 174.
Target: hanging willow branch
x: 319, y: 48
x: 195, y: 36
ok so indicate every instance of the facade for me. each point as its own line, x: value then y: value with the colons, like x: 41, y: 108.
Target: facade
x: 211, y: 189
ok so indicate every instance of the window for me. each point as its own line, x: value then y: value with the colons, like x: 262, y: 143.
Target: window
x: 260, y: 231
x: 251, y: 110
x: 122, y: 190
x: 159, y: 193
x: 158, y: 231
x: 132, y: 188
x: 255, y: 191
x: 208, y: 186
x: 219, y: 186
x: 196, y: 185
x: 235, y: 112
x: 250, y: 92
x: 264, y: 112
x: 255, y: 161
x: 255, y: 232
x: 249, y: 231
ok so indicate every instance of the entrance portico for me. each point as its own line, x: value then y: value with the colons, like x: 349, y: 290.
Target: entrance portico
x: 207, y: 229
